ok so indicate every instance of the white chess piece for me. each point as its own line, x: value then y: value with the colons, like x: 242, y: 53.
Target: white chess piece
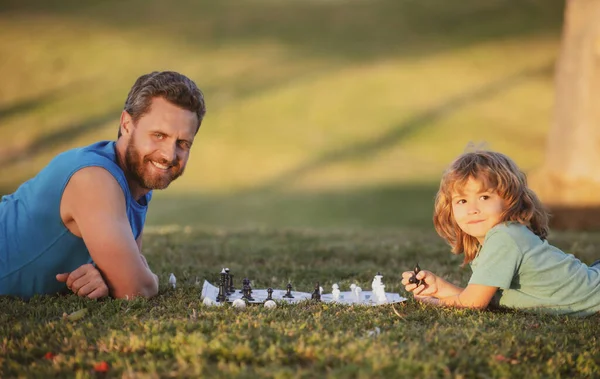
x: 380, y: 296
x: 357, y: 292
x: 320, y: 290
x: 376, y: 283
x: 208, y: 301
x: 172, y: 280
x: 335, y: 291
x: 239, y: 303
x: 270, y: 304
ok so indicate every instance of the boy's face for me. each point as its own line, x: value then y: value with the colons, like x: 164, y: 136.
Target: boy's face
x: 477, y: 209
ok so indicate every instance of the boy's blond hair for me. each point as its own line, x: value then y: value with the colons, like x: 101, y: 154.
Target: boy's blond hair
x: 499, y: 173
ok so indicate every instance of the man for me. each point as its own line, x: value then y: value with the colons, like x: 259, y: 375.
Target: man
x: 89, y: 204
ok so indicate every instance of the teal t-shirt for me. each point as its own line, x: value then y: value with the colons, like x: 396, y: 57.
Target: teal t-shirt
x: 533, y: 275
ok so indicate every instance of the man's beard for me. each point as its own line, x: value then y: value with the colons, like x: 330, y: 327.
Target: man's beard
x: 147, y: 177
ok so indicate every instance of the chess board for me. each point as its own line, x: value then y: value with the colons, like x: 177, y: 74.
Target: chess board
x: 260, y: 295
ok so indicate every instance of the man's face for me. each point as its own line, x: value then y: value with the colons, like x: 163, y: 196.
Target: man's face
x: 477, y: 209
x: 159, y: 145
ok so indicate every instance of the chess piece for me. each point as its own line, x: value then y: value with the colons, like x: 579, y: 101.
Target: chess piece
x: 245, y: 281
x: 239, y: 303
x: 335, y: 291
x: 316, y: 295
x: 231, y: 287
x: 269, y: 293
x: 357, y: 294
x: 376, y: 283
x: 227, y: 281
x: 222, y: 296
x: 288, y: 293
x: 208, y: 301
x: 379, y: 289
x: 413, y: 279
x: 247, y: 293
x: 172, y: 280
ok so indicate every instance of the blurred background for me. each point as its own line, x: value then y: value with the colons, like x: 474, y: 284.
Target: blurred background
x: 321, y: 113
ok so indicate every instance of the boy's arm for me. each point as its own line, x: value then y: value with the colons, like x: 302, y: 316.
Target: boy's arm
x: 95, y: 202
x: 474, y: 296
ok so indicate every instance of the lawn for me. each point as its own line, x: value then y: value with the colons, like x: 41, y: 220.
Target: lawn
x: 328, y: 126
x: 174, y: 335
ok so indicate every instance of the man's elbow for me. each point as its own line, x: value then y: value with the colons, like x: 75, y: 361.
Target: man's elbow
x: 146, y: 289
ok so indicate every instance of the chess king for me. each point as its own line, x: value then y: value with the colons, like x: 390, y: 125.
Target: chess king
x: 78, y: 224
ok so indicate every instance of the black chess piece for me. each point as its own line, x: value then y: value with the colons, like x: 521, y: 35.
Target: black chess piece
x: 231, y: 287
x: 227, y: 279
x: 288, y: 293
x: 222, y: 296
x: 245, y: 282
x: 316, y: 295
x: 246, y: 293
x: 269, y: 293
x: 413, y: 279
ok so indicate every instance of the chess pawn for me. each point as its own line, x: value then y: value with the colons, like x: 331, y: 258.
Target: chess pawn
x: 269, y: 293
x: 172, y: 280
x: 335, y: 291
x: 288, y: 293
x: 357, y: 293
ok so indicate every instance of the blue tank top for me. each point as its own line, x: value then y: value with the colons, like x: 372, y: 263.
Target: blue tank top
x: 35, y: 245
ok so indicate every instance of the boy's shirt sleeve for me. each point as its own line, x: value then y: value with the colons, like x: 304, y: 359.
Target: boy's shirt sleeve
x: 498, y: 261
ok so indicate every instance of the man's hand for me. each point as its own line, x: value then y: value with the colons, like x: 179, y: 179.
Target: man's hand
x: 85, y: 281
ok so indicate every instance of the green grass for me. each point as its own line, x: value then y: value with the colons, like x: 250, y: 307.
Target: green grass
x: 174, y: 335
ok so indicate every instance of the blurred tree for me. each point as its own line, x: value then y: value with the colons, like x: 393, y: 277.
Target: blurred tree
x: 569, y: 181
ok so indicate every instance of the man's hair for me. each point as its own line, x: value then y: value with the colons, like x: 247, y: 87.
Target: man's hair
x: 176, y: 88
x: 496, y: 172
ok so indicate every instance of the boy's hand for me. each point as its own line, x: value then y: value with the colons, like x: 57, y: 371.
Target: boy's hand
x: 428, y: 286
x: 85, y: 281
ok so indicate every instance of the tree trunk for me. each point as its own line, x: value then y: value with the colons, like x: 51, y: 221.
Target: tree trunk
x: 570, y: 176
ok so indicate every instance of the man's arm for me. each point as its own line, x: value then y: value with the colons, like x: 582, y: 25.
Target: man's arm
x: 139, y: 244
x: 94, y: 203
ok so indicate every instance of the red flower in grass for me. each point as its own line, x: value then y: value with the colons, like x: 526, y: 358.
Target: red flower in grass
x: 101, y: 367
x: 49, y: 355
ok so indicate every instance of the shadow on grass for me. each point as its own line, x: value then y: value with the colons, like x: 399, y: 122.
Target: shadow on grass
x: 398, y: 133
x: 401, y: 205
x: 62, y: 135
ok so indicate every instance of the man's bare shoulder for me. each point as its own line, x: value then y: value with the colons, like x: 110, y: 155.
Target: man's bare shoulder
x: 94, y: 179
x: 89, y: 190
